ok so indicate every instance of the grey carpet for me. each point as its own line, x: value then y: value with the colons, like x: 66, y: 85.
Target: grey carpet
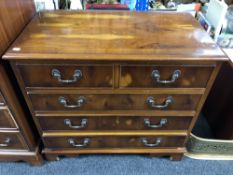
x: 120, y: 165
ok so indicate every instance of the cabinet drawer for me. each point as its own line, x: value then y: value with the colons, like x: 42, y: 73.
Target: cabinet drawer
x: 114, y: 123
x: 165, y: 76
x: 114, y: 142
x: 72, y: 102
x: 6, y: 119
x: 66, y: 75
x: 12, y: 141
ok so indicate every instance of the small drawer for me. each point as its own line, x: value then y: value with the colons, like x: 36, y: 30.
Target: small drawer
x: 165, y: 76
x: 114, y: 142
x: 114, y: 123
x: 79, y: 76
x: 75, y: 102
x: 12, y: 141
x: 2, y: 100
x: 7, y: 121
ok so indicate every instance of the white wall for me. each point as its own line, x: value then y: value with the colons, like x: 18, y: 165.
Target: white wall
x: 48, y: 4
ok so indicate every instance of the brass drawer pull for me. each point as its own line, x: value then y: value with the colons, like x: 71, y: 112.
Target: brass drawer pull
x: 156, y: 76
x: 162, y: 122
x: 76, y: 76
x: 6, y: 142
x: 157, y: 142
x: 64, y: 102
x: 72, y: 142
x: 82, y: 125
x: 151, y: 102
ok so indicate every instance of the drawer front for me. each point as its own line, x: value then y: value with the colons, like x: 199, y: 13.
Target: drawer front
x: 114, y: 142
x: 66, y: 75
x: 12, y: 141
x: 113, y: 123
x: 72, y: 102
x: 164, y: 76
x: 6, y: 119
x: 2, y: 100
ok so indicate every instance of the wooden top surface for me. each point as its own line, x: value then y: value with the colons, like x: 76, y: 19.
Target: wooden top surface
x: 114, y: 35
x: 229, y: 53
x: 14, y: 15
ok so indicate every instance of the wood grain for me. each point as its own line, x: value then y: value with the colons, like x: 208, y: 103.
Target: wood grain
x: 163, y: 151
x: 14, y: 14
x: 2, y: 100
x: 113, y: 123
x: 128, y: 46
x: 116, y: 133
x: 140, y: 36
x: 50, y: 102
x: 7, y: 120
x: 115, y: 113
x: 93, y: 76
x: 132, y: 76
x: 14, y: 123
x: 16, y: 141
x: 31, y: 157
x: 113, y: 142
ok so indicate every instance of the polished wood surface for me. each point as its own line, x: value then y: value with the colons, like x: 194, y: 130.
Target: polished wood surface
x: 101, y: 35
x: 14, y: 14
x: 113, y: 123
x: 30, y: 157
x: 14, y: 106
x: 173, y: 152
x: 116, y: 133
x: 11, y: 140
x: 50, y: 102
x: 18, y: 139
x: 7, y: 120
x: 114, y: 99
x: 92, y: 76
x: 113, y: 142
x: 229, y: 53
x: 2, y: 100
x: 141, y: 76
x: 14, y: 119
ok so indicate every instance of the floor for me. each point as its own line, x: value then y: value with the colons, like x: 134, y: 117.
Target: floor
x: 120, y: 165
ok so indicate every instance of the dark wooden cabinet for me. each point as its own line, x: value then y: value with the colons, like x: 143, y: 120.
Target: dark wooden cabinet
x: 218, y: 108
x: 18, y: 137
x: 114, y: 82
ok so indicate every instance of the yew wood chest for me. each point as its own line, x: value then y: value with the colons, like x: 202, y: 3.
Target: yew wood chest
x: 114, y: 82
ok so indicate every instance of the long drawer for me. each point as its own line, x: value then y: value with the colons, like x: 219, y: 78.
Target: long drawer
x: 186, y: 76
x: 113, y: 123
x: 68, y: 102
x: 6, y: 119
x: 66, y: 75
x: 113, y: 142
x: 10, y: 140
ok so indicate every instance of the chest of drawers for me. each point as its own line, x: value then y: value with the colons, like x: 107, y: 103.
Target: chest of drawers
x: 114, y: 82
x: 19, y: 140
